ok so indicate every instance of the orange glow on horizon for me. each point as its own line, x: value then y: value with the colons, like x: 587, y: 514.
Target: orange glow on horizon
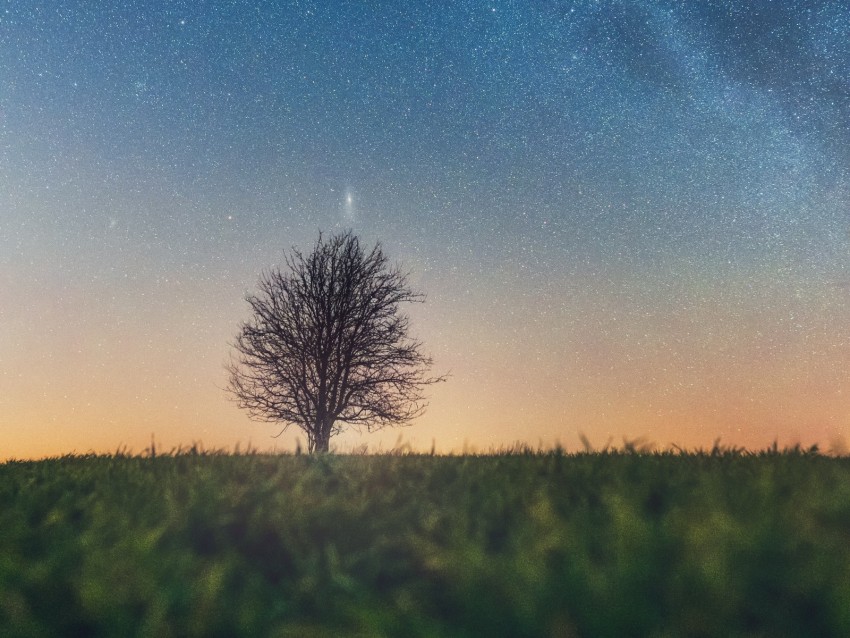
x: 685, y: 375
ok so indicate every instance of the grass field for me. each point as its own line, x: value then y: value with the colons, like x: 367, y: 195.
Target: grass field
x: 546, y: 544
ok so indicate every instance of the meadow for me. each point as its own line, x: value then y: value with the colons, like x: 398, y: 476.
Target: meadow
x: 612, y: 543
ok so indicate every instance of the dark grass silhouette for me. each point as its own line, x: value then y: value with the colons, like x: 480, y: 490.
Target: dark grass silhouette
x: 520, y: 542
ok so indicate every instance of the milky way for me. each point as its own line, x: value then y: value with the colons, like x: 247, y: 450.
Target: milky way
x: 630, y: 218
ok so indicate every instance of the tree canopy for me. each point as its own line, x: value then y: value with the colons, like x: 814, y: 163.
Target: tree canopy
x: 327, y: 345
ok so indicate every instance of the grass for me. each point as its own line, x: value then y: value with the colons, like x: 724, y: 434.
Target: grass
x: 612, y: 543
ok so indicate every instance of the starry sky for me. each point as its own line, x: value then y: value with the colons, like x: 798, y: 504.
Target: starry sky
x: 630, y: 218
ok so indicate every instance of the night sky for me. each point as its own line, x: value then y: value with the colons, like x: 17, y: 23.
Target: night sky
x: 631, y: 219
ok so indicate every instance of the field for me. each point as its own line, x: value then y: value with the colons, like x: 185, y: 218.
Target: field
x: 616, y: 543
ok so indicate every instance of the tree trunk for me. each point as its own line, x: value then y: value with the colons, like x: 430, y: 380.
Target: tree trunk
x: 321, y: 444
x: 323, y: 437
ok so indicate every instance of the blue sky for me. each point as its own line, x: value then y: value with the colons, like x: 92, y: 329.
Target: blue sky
x: 630, y: 218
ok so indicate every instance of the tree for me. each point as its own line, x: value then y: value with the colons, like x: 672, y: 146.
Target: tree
x: 328, y: 346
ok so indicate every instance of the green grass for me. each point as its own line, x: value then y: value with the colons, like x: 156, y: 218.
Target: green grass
x: 547, y: 544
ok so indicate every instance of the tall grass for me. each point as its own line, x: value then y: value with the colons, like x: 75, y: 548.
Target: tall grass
x: 520, y: 542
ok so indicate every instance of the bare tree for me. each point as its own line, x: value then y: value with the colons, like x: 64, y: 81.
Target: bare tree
x: 327, y: 345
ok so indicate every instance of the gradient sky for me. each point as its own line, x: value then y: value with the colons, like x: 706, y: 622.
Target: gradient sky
x: 630, y: 218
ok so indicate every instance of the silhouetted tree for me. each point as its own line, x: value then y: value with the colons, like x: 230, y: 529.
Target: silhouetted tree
x: 327, y: 345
